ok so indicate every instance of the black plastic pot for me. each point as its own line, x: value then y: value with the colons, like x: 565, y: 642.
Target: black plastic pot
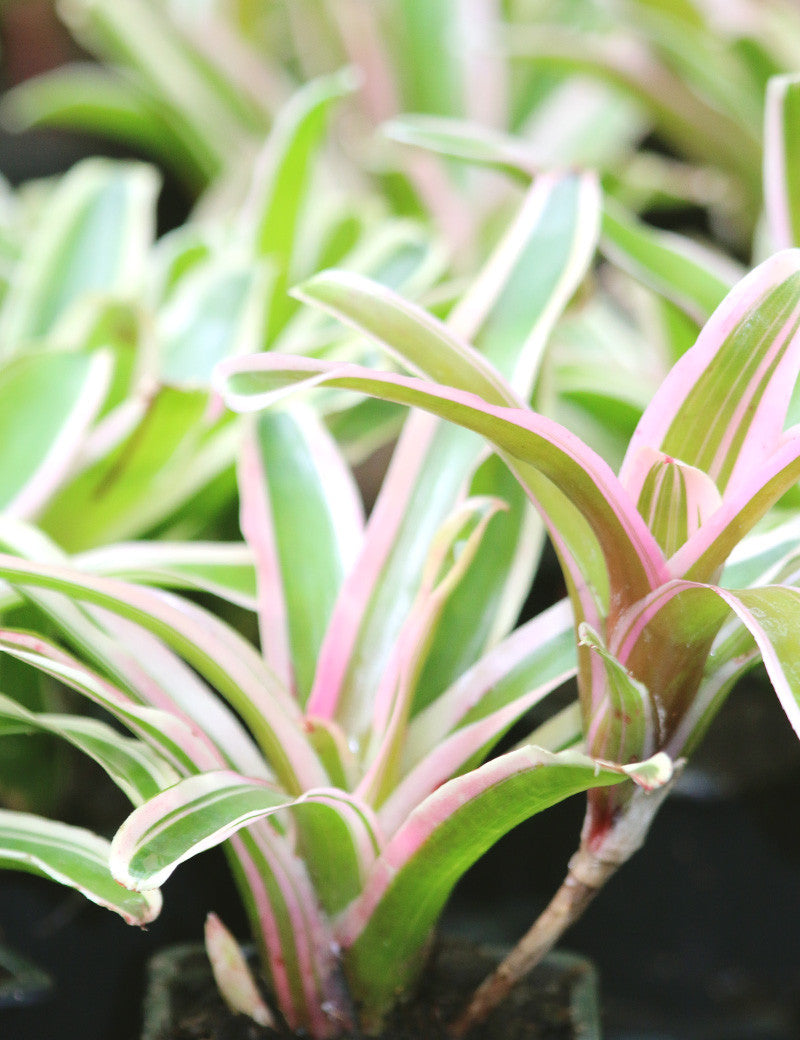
x: 558, y: 1002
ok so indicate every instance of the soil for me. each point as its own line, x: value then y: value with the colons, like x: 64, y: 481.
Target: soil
x: 538, y: 1011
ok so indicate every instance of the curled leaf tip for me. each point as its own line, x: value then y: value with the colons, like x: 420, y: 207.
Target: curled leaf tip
x: 653, y: 773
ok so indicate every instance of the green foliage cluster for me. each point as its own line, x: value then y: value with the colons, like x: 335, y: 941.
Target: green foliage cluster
x: 399, y: 208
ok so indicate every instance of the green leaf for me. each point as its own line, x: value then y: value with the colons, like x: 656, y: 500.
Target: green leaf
x: 273, y: 210
x: 91, y: 238
x: 385, y: 931
x: 290, y: 471
x: 692, y: 277
x: 171, y: 451
x: 430, y: 58
x: 73, y: 857
x: 48, y: 400
x: 216, y: 311
x: 96, y: 100
x: 133, y: 767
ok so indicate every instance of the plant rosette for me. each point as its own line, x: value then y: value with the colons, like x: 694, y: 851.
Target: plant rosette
x: 347, y: 765
x: 661, y: 634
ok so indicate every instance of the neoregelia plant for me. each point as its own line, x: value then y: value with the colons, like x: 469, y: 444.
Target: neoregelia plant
x: 643, y: 553
x: 350, y: 782
x: 348, y: 768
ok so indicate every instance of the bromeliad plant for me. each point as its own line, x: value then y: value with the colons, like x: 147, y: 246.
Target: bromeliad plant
x: 348, y: 772
x: 348, y: 769
x: 662, y: 630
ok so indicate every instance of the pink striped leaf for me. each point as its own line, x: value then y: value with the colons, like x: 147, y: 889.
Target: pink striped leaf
x: 133, y: 659
x: 74, y: 857
x: 603, y: 543
x: 771, y: 616
x: 291, y: 468
x: 742, y: 508
x: 722, y: 407
x: 675, y: 499
x: 622, y: 727
x: 540, y: 652
x: 508, y: 314
x: 663, y: 642
x: 415, y: 337
x: 451, y: 553
x: 222, y: 657
x: 186, y: 747
x: 423, y: 860
x: 733, y: 654
x: 492, y: 592
x: 633, y: 558
x: 232, y: 974
x: 463, y: 749
x: 297, y: 944
x: 775, y: 560
x: 782, y: 160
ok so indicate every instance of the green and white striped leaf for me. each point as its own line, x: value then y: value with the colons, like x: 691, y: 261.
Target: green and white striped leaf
x: 91, y: 238
x: 202, y: 811
x: 271, y: 216
x: 132, y: 765
x: 205, y: 117
x: 73, y: 857
x: 688, y: 274
x: 89, y: 98
x: 48, y: 402
x: 216, y: 311
x: 224, y: 569
x: 170, y: 452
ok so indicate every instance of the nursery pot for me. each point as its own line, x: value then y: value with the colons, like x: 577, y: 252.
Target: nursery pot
x: 557, y: 1002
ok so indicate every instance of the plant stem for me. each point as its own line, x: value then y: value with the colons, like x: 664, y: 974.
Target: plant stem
x: 612, y: 831
x: 585, y: 878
